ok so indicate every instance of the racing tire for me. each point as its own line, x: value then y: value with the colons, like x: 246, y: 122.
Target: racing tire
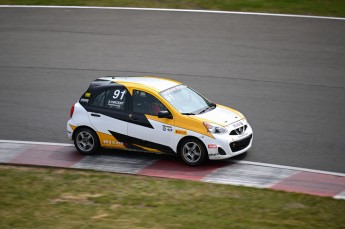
x: 192, y: 152
x: 86, y: 141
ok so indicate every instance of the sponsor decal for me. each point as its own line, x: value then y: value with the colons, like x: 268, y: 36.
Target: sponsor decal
x: 238, y: 124
x: 113, y: 103
x: 167, y: 94
x: 183, y: 132
x: 212, y: 146
x: 213, y: 154
x: 87, y: 94
x: 82, y: 100
x: 167, y: 128
x: 108, y: 142
x: 168, y: 91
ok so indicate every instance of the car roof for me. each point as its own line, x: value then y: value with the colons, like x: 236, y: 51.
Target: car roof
x: 156, y: 83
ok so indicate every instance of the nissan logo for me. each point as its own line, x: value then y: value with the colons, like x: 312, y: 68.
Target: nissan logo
x: 240, y: 130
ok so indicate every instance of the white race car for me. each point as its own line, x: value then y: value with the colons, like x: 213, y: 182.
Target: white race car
x: 153, y: 114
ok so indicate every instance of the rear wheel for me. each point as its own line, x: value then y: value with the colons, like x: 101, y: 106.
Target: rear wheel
x: 86, y: 141
x: 192, y: 152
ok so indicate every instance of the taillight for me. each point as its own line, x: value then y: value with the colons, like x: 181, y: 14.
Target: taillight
x: 71, y: 112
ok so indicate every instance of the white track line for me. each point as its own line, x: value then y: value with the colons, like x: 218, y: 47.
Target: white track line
x: 173, y: 10
x: 36, y: 143
x: 236, y: 161
x: 340, y: 196
x: 289, y: 167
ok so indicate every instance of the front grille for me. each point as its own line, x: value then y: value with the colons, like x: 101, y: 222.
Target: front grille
x: 239, y: 130
x: 241, y: 144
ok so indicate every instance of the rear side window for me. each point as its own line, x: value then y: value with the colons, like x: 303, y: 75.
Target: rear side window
x: 99, y: 100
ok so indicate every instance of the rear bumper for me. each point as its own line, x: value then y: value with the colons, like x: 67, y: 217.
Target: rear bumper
x: 69, y: 130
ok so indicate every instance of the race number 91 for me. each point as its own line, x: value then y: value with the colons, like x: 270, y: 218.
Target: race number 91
x: 117, y: 93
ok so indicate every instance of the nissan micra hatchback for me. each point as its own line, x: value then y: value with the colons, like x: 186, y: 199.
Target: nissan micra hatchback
x: 159, y: 115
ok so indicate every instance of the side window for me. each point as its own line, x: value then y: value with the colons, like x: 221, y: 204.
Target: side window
x: 99, y: 100
x: 145, y: 103
x: 115, y: 99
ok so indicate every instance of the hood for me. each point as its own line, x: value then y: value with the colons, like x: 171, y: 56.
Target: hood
x: 220, y: 115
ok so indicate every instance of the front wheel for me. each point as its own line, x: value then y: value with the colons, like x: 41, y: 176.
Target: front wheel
x: 192, y: 152
x: 86, y: 141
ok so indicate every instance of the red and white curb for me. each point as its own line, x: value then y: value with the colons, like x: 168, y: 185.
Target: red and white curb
x: 243, y: 173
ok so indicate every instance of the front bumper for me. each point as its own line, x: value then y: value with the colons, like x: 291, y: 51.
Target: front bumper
x: 225, y: 145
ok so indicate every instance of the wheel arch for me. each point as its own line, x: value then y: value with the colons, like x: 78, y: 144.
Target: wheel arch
x: 80, y: 127
x: 190, y: 137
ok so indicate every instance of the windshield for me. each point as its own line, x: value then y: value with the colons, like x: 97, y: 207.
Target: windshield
x: 186, y: 100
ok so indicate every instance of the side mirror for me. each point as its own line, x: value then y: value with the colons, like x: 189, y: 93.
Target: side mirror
x: 164, y: 114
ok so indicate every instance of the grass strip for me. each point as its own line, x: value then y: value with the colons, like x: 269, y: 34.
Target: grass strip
x: 306, y: 7
x: 57, y: 198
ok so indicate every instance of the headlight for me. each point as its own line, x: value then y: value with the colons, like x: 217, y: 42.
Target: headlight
x: 214, y: 128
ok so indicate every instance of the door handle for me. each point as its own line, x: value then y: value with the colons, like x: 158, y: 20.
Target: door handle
x: 95, y: 115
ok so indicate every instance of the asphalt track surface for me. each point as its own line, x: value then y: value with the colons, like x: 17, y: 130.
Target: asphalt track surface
x: 287, y: 75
